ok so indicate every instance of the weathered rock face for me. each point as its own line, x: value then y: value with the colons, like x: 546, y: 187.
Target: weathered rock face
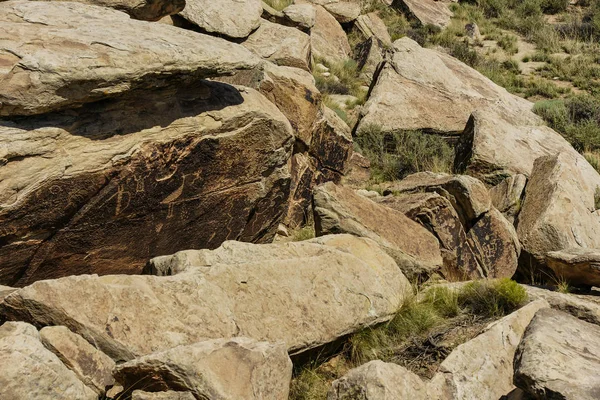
x: 377, y: 380
x: 507, y: 196
x: 5, y: 291
x: 232, y: 18
x: 494, y: 146
x: 304, y: 15
x: 341, y: 210
x: 369, y: 55
x: 340, y: 284
x: 168, y: 395
x: 110, y: 52
x: 422, y: 89
x: 79, y: 191
x: 91, y: 366
x: 228, y: 369
x: 558, y: 211
x: 328, y: 39
x: 559, y: 358
x: 358, y: 171
x: 427, y: 12
x: 584, y: 307
x: 29, y: 371
x: 578, y: 266
x: 370, y: 25
x: 344, y: 11
x: 281, y: 45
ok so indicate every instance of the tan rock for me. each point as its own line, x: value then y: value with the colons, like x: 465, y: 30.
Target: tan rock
x: 341, y: 284
x: 5, y: 291
x: 105, y: 188
x: 91, y: 366
x: 341, y: 210
x: 304, y: 15
x: 584, y: 307
x: 237, y: 368
x: 168, y: 395
x: 281, y: 45
x: 358, y: 171
x: 369, y: 56
x: 559, y: 357
x: 507, y: 196
x: 370, y: 25
x: 428, y: 12
x: 328, y: 39
x: 232, y: 18
x: 29, y: 371
x: 344, y: 11
x: 577, y: 265
x: 44, y: 40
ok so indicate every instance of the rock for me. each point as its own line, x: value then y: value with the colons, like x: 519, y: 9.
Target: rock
x: 344, y: 11
x: 237, y: 368
x: 328, y: 39
x: 369, y: 55
x: 91, y: 366
x: 232, y: 18
x: 304, y: 15
x: 341, y: 210
x: 358, y: 171
x: 482, y: 368
x: 472, y: 31
x: 281, y: 45
x: 377, y: 380
x: 559, y: 358
x: 168, y: 395
x: 111, y: 52
x: 105, y: 188
x: 341, y: 284
x: 370, y: 25
x: 5, y: 291
x: 427, y: 12
x: 423, y: 89
x: 558, y: 209
x: 494, y: 146
x: 30, y: 371
x: 584, y: 307
x: 577, y: 265
x: 507, y: 196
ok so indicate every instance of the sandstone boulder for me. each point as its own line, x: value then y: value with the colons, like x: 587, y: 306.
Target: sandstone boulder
x: 370, y: 25
x: 282, y: 45
x: 427, y: 12
x: 423, y: 89
x: 344, y: 11
x: 91, y: 366
x: 232, y: 18
x: 558, y: 211
x: 44, y: 41
x: 559, y: 358
x: 305, y: 294
x: 328, y: 39
x: 168, y: 395
x: 507, y: 196
x: 578, y: 266
x: 341, y: 210
x: 29, y: 371
x: 228, y: 369
x: 302, y: 14
x: 358, y: 171
x: 5, y: 291
x: 104, y: 189
x: 584, y: 307
x: 369, y: 56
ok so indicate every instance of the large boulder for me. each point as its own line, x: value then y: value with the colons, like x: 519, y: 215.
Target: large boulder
x: 305, y: 294
x: 282, y: 45
x: 232, y: 18
x: 558, y: 211
x: 423, y: 89
x: 328, y: 39
x: 507, y: 196
x: 303, y: 15
x: 559, y: 358
x: 29, y: 371
x: 427, y: 12
x: 340, y: 210
x: 578, y: 265
x: 371, y: 26
x: 369, y: 56
x: 105, y: 188
x: 343, y: 11
x: 228, y: 369
x: 584, y: 307
x: 61, y: 54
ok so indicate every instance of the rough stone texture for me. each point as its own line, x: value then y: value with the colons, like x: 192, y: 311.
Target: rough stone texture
x: 29, y: 371
x: 559, y: 358
x: 578, y: 266
x: 106, y: 188
x: 584, y: 307
x: 5, y: 291
x: 91, y: 366
x: 370, y: 25
x: 61, y: 54
x: 494, y: 146
x: 507, y: 196
x: 358, y: 171
x: 302, y: 14
x: 228, y: 369
x: 344, y: 11
x: 377, y: 380
x: 232, y: 18
x: 168, y: 395
x: 305, y: 294
x: 282, y: 45
x: 482, y: 368
x: 427, y: 12
x: 328, y: 39
x: 341, y: 210
x: 369, y: 55
x: 423, y: 89
x: 558, y: 209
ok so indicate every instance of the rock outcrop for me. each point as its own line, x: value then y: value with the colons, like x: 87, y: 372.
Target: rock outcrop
x: 370, y: 25
x: 228, y: 369
x: 584, y: 307
x: 147, y: 10
x: 577, y: 266
x: 427, y: 12
x: 507, y: 196
x: 338, y: 284
x: 232, y: 18
x: 341, y: 210
x: 304, y: 15
x: 343, y: 11
x: 559, y: 358
x: 328, y: 39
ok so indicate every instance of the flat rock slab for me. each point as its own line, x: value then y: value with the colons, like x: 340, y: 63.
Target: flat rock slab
x: 559, y: 358
x: 427, y: 12
x: 304, y: 294
x: 328, y: 39
x: 232, y: 18
x: 584, y: 307
x: 228, y: 369
x: 59, y: 54
x: 577, y: 265
x: 29, y: 371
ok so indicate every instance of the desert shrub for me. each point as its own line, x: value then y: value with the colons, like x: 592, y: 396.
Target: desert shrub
x: 492, y: 298
x: 343, y: 78
x: 303, y: 233
x: 278, y: 4
x: 508, y: 43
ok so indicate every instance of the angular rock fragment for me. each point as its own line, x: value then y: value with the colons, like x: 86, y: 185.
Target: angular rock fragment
x: 370, y: 25
x: 577, y: 266
x: 231, y: 18
x: 343, y: 11
x: 328, y: 39
x: 302, y: 14
x: 427, y: 12
x: 507, y: 196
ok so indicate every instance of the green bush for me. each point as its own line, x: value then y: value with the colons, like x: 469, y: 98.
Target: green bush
x: 492, y: 298
x: 278, y: 4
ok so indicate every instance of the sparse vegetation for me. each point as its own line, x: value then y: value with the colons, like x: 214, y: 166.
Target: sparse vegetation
x: 278, y: 4
x: 303, y: 233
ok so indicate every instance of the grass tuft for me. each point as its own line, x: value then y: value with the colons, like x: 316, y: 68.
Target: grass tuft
x: 278, y: 4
